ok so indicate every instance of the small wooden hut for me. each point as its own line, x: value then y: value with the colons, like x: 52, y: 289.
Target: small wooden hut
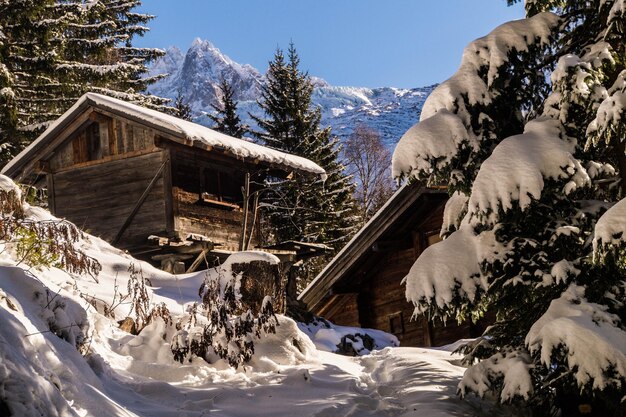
x: 362, y: 286
x: 163, y: 188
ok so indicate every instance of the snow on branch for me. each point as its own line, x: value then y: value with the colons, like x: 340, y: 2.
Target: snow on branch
x: 578, y: 80
x: 586, y: 335
x: 610, y: 227
x: 454, y: 212
x: 430, y: 145
x: 490, y: 52
x: 517, y: 168
x: 449, y: 270
x: 611, y: 113
x: 512, y: 367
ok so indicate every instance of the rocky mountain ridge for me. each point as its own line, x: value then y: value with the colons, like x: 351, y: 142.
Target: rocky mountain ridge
x: 196, y: 75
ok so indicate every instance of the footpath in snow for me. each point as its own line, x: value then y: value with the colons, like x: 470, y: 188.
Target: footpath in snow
x: 119, y: 374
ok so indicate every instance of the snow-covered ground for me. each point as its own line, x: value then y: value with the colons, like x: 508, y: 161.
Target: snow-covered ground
x: 119, y: 374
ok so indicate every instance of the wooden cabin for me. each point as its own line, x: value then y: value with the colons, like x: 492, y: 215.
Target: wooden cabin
x: 163, y: 188
x: 361, y: 286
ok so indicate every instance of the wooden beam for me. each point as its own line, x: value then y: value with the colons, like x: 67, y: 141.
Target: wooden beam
x: 170, y: 225
x: 51, y: 199
x: 48, y: 149
x: 138, y: 205
x: 198, y: 261
x: 109, y: 158
x: 244, y: 226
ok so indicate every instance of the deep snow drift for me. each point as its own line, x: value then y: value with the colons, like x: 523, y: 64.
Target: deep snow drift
x: 114, y: 373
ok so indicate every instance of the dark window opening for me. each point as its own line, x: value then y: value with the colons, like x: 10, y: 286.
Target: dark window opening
x: 221, y: 186
x: 93, y: 142
x: 396, y: 324
x: 211, y: 186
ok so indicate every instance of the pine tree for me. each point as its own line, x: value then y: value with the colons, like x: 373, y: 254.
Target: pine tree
x: 98, y: 52
x: 28, y: 52
x: 226, y: 120
x: 183, y: 110
x: 8, y: 109
x: 306, y: 209
x: 54, y: 51
x: 529, y: 137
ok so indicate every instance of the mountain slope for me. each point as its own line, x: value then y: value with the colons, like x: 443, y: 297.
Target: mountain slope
x: 196, y: 75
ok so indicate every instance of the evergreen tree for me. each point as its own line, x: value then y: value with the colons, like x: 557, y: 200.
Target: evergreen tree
x: 28, y: 54
x: 8, y: 110
x: 54, y: 51
x: 304, y: 209
x: 226, y: 120
x: 529, y: 137
x: 98, y: 54
x: 183, y: 110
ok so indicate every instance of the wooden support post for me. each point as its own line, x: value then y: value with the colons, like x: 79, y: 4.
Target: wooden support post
x: 199, y: 259
x: 255, y: 209
x: 246, y: 197
x: 51, y: 193
x: 138, y: 205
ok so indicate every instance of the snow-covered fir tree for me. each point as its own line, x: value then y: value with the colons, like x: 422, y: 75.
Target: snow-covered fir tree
x: 98, y: 52
x: 27, y: 56
x: 226, y: 119
x: 54, y: 51
x: 529, y: 137
x: 183, y: 109
x: 304, y: 209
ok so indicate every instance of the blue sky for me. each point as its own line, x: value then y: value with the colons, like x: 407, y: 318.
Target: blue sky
x: 369, y: 43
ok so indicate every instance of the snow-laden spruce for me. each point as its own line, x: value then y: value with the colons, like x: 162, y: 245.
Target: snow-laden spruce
x: 595, y: 343
x: 463, y: 119
x: 529, y: 136
x: 516, y: 171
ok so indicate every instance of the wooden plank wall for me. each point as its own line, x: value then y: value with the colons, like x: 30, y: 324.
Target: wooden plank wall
x: 381, y: 301
x: 343, y: 309
x: 117, y: 137
x: 100, y: 197
x: 223, y: 224
x: 384, y: 302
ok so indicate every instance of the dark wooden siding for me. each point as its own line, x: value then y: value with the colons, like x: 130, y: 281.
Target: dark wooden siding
x: 343, y: 309
x: 199, y: 206
x: 221, y: 224
x: 385, y: 303
x: 99, y: 198
x: 101, y: 139
x: 377, y: 278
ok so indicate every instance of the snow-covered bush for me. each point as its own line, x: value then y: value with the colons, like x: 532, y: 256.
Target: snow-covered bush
x: 230, y: 327
x: 529, y: 136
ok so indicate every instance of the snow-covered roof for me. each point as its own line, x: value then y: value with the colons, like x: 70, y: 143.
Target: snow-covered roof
x: 189, y: 133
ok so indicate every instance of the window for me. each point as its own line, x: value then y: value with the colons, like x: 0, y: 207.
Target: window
x: 221, y: 186
x: 396, y: 323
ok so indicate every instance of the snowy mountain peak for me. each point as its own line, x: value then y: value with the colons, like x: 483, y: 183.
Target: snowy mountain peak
x: 203, y: 43
x: 197, y: 74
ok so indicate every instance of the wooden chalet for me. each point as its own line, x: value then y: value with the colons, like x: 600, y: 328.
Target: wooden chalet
x: 163, y: 188
x: 362, y: 287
